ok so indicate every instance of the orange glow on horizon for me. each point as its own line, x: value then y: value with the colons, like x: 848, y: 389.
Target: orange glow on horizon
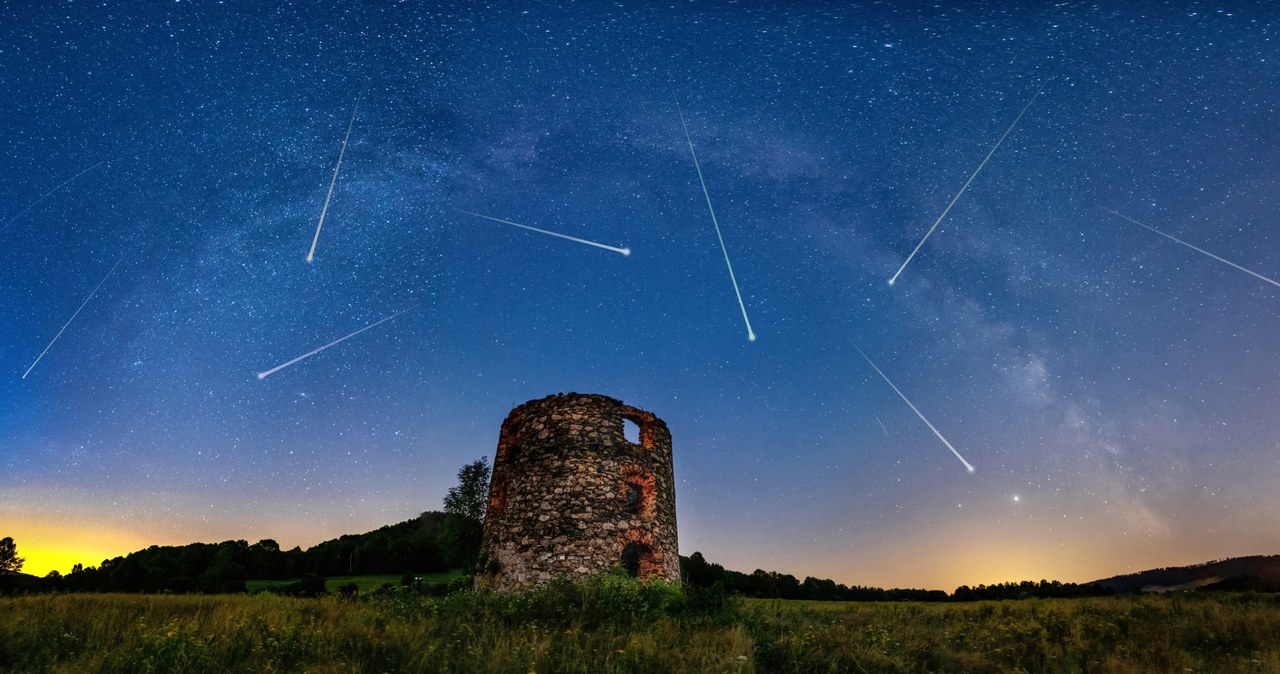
x: 944, y: 558
x: 42, y: 560
x: 52, y: 544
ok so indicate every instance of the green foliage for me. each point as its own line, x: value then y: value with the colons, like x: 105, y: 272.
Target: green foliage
x: 1026, y: 588
x: 460, y: 540
x: 612, y: 623
x: 609, y: 624
x: 411, y: 546
x: 713, y: 602
x: 1152, y: 634
x: 698, y: 572
x: 434, y: 542
x: 608, y: 598
x: 408, y: 547
x: 309, y: 585
x: 471, y: 496
x: 435, y: 582
x: 9, y: 559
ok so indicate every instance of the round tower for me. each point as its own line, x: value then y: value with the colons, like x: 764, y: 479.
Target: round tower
x: 570, y: 495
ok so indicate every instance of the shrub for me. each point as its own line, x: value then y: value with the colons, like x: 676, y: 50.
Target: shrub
x: 309, y: 585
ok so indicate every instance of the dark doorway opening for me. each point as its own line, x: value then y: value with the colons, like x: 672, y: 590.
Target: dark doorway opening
x: 631, y: 556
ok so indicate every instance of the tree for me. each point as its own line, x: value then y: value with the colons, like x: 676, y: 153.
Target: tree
x: 464, y: 506
x: 471, y: 496
x: 460, y: 540
x: 224, y: 573
x: 9, y: 559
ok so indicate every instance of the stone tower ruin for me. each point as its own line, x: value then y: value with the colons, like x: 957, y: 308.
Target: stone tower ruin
x: 570, y: 495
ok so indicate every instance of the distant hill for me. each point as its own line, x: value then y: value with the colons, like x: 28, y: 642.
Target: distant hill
x: 11, y: 581
x: 432, y: 542
x: 1260, y: 573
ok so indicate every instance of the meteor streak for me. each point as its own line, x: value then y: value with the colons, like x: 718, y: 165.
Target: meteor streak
x: 970, y: 180
x: 886, y: 431
x: 751, y: 335
x: 73, y: 317
x: 624, y: 251
x: 967, y: 465
x: 264, y: 375
x: 311, y: 253
x: 1198, y: 250
x: 46, y: 195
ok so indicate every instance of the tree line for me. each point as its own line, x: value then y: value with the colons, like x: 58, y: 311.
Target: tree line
x: 698, y: 572
x: 432, y: 542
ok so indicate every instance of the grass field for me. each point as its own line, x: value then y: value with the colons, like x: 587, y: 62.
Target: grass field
x: 616, y: 625
x: 1125, y: 635
x: 364, y: 583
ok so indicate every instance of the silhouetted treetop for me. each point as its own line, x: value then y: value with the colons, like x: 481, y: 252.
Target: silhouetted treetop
x: 471, y: 496
x: 9, y: 559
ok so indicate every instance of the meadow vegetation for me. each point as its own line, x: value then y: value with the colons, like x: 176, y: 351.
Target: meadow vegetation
x: 615, y: 624
x: 363, y: 584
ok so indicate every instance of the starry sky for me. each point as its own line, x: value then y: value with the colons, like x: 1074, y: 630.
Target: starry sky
x: 1114, y: 390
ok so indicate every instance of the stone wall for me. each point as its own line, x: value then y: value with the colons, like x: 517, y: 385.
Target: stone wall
x: 571, y: 496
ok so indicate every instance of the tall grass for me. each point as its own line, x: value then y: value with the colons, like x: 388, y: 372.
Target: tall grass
x: 365, y: 583
x: 614, y: 624
x: 602, y: 626
x: 1175, y: 633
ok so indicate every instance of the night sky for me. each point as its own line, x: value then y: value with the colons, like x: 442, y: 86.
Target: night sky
x: 1115, y: 391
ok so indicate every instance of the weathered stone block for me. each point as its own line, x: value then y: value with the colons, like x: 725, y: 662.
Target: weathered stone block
x: 571, y: 495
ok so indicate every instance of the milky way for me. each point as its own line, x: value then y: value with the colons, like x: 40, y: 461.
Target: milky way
x: 1116, y: 392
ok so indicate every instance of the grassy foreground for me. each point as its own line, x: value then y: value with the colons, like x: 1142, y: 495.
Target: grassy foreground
x: 615, y: 625
x: 363, y: 583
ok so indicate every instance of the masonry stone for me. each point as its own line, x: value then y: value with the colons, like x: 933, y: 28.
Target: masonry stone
x: 570, y: 495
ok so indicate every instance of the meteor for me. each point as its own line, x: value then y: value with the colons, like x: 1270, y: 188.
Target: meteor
x: 624, y: 251
x: 967, y: 465
x: 268, y: 373
x: 751, y: 335
x: 73, y: 317
x: 311, y: 253
x: 1198, y: 250
x: 886, y: 431
x: 46, y: 195
x: 970, y: 180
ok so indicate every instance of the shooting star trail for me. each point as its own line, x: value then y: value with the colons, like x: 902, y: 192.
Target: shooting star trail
x: 268, y: 373
x: 751, y: 335
x: 970, y: 180
x: 624, y: 251
x: 46, y: 195
x: 1198, y: 250
x: 311, y: 253
x: 886, y: 431
x: 73, y: 317
x: 967, y: 465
